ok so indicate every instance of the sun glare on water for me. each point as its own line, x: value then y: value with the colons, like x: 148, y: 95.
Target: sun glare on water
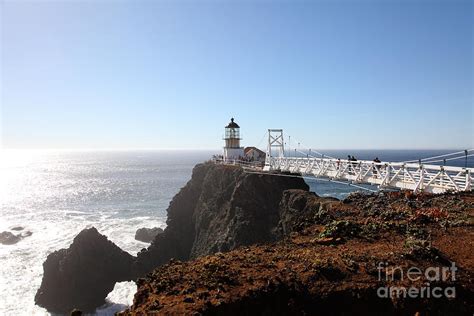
x: 14, y: 172
x: 13, y: 165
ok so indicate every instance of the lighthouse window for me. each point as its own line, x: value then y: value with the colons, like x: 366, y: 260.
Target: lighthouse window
x: 232, y: 133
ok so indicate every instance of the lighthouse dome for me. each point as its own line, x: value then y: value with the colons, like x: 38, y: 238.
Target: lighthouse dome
x: 232, y: 124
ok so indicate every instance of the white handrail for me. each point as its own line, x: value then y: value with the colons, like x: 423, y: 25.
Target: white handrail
x: 418, y: 177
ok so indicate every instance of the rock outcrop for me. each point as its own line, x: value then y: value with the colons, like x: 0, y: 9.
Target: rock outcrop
x: 219, y: 209
x: 147, y: 234
x: 9, y: 238
x: 82, y: 275
x: 245, y: 213
x: 300, y: 209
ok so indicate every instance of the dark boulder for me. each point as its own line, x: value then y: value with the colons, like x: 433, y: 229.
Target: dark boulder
x: 8, y: 238
x: 82, y: 275
x: 147, y: 234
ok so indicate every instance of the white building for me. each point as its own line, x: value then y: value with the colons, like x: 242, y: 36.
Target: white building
x: 254, y: 154
x: 232, y: 149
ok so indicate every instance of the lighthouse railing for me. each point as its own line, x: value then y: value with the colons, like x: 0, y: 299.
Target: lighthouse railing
x: 239, y: 162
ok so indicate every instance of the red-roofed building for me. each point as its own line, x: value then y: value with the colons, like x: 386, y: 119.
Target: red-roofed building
x: 254, y: 154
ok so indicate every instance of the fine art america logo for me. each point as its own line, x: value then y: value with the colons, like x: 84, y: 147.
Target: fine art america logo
x: 430, y: 274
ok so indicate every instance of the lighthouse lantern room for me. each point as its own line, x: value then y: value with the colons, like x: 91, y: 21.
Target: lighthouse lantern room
x: 232, y: 149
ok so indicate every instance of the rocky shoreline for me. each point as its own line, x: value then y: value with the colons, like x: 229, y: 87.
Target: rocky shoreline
x: 240, y: 243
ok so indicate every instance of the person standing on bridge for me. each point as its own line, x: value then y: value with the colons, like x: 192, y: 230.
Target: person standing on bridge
x: 351, y: 160
x: 376, y: 166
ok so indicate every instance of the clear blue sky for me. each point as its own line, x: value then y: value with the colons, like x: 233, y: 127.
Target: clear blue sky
x: 332, y: 74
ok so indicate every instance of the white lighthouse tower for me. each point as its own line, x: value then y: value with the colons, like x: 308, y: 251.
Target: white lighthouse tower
x: 232, y: 149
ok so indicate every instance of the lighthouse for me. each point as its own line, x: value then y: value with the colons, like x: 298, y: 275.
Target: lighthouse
x: 232, y: 149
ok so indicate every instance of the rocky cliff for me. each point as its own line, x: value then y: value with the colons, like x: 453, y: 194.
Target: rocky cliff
x: 219, y: 209
x: 336, y: 258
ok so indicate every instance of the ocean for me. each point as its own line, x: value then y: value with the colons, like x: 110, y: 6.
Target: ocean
x: 56, y: 194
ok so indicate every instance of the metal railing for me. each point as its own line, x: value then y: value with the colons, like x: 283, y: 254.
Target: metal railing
x: 409, y: 176
x: 257, y: 165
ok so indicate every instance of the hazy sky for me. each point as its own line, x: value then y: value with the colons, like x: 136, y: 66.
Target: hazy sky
x: 155, y: 74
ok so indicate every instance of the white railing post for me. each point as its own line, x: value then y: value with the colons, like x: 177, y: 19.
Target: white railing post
x: 420, y: 185
x: 386, y: 177
x: 422, y: 178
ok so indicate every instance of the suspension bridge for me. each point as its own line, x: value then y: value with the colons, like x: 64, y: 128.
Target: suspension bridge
x: 421, y: 175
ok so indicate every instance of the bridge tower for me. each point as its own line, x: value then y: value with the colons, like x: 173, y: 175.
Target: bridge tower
x: 275, y: 146
x: 232, y: 149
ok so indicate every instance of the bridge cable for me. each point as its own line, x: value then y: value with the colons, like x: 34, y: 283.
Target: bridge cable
x: 261, y: 140
x: 321, y: 154
x: 448, y: 159
x: 464, y: 152
x: 312, y: 156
